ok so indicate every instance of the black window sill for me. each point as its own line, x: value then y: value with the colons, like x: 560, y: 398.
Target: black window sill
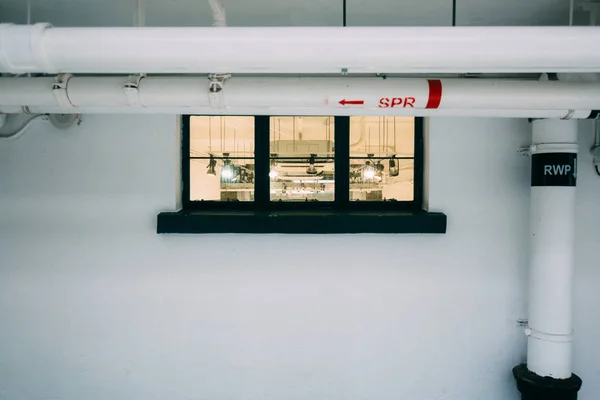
x: 313, y: 222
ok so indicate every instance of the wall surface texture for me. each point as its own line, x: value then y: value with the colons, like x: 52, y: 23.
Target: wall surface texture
x: 94, y: 305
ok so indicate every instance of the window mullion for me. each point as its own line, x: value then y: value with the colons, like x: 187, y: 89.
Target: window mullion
x: 262, y: 162
x: 185, y: 161
x: 418, y: 162
x: 342, y: 161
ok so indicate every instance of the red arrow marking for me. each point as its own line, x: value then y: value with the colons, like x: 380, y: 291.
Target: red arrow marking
x: 355, y: 102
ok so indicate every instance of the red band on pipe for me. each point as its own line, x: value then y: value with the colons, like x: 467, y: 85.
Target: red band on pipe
x: 435, y: 93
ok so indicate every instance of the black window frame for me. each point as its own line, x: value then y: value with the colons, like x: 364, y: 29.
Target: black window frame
x: 342, y: 159
x: 263, y: 216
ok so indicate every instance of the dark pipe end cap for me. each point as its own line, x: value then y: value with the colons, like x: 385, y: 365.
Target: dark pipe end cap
x: 535, y: 387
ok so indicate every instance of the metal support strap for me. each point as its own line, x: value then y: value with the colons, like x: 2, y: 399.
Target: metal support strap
x: 547, y: 337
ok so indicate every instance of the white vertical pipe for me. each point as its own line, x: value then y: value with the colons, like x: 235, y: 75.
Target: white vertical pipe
x: 552, y: 258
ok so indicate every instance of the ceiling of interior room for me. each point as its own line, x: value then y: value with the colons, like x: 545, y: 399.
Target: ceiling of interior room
x: 293, y: 12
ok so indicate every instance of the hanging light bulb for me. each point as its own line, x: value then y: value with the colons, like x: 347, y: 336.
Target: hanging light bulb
x: 228, y: 171
x: 394, y: 170
x: 212, y: 163
x: 312, y: 170
x: 379, y: 171
x: 369, y: 171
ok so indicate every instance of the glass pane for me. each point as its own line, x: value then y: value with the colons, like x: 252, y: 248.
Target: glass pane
x: 382, y: 151
x: 222, y: 158
x: 302, y: 159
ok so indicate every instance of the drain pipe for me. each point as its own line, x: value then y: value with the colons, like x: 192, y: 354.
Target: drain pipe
x: 548, y: 372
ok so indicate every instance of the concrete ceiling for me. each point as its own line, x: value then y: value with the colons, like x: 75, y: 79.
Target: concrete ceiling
x: 293, y: 12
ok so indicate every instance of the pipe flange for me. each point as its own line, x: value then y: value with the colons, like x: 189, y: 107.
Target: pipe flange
x: 131, y: 90
x: 59, y: 90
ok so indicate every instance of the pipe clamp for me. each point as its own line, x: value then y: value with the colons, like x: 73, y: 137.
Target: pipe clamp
x: 567, y: 147
x: 548, y: 337
x: 131, y: 90
x: 59, y: 90
x: 215, y: 90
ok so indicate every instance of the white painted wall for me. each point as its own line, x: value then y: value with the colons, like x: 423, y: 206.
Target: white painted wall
x: 94, y: 305
x: 295, y: 13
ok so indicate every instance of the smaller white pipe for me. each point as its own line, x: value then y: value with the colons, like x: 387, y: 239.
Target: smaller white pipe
x: 218, y: 12
x: 321, y: 95
x: 571, y: 12
x: 16, y: 134
x: 140, y: 14
x: 467, y: 113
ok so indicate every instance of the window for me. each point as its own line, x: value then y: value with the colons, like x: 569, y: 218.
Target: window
x: 313, y: 162
x: 302, y: 174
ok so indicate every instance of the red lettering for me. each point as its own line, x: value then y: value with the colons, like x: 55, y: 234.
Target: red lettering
x: 409, y: 101
x: 384, y: 102
x: 397, y: 101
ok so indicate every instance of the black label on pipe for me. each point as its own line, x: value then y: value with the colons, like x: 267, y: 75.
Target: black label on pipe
x: 554, y: 169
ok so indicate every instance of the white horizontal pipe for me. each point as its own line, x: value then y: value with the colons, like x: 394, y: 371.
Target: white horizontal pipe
x: 552, y: 259
x: 305, y: 112
x: 311, y: 96
x: 264, y: 50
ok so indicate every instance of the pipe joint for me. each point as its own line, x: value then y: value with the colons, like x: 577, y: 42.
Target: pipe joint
x: 21, y: 48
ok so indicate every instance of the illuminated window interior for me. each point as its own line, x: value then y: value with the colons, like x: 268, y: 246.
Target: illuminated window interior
x: 222, y: 158
x: 302, y: 158
x: 382, y: 151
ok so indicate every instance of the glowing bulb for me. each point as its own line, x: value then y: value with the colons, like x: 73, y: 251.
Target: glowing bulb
x: 369, y: 173
x: 227, y: 172
x: 273, y: 174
